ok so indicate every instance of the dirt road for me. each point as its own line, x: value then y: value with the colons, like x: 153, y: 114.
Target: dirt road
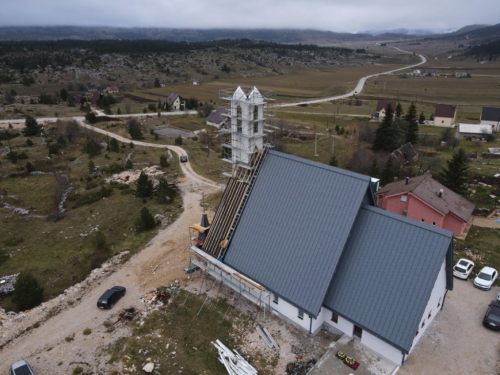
x: 59, y: 340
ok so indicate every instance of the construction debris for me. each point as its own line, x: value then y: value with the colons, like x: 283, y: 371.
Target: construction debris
x: 234, y: 363
x: 266, y: 336
x: 128, y: 314
x: 149, y: 367
x: 300, y: 367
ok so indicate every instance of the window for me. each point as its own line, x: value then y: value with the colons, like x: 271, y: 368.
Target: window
x: 404, y: 198
x: 423, y: 324
x: 335, y: 317
x: 301, y: 314
x: 255, y: 113
x: 275, y: 298
x: 423, y: 221
x: 430, y: 314
x: 238, y: 119
x: 434, y: 223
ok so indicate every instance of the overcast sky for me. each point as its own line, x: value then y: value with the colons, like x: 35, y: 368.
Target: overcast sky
x: 332, y: 15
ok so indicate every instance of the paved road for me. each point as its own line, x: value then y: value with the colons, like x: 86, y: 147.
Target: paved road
x: 357, y: 89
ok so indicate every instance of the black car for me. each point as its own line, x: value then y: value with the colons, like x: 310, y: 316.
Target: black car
x: 191, y: 268
x: 184, y: 158
x: 492, y: 316
x: 110, y: 296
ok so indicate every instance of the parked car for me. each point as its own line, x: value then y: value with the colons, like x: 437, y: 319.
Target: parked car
x: 184, y: 159
x: 492, y: 317
x: 110, y: 297
x: 21, y: 368
x: 463, y: 268
x: 498, y: 297
x: 191, y: 268
x: 486, y: 278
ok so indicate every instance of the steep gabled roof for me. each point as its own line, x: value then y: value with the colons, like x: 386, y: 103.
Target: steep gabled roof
x: 427, y: 189
x: 382, y: 104
x: 217, y: 116
x: 445, y: 110
x: 95, y: 97
x: 490, y: 114
x: 295, y: 226
x: 386, y: 274
x: 171, y: 98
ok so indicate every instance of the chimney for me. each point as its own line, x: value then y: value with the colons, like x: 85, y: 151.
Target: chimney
x: 407, y: 180
x: 440, y: 194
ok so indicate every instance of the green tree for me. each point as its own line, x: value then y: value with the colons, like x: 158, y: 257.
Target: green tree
x: 163, y: 161
x: 157, y: 82
x: 163, y: 192
x: 388, y: 172
x: 134, y: 129
x: 92, y: 148
x: 27, y: 292
x: 64, y: 94
x: 99, y: 241
x: 144, y: 187
x: 29, y: 142
x: 374, y: 169
x: 145, y: 222
x: 31, y: 127
x: 455, y: 175
x: 91, y: 117
x: 113, y: 145
x: 178, y: 141
x: 421, y: 118
x: 399, y: 110
x: 412, y: 135
x: 384, y: 134
x: 333, y: 161
x: 128, y: 164
x: 91, y: 167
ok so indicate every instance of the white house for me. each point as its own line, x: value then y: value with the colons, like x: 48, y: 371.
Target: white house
x: 174, y: 102
x: 491, y: 116
x: 305, y: 241
x: 444, y: 115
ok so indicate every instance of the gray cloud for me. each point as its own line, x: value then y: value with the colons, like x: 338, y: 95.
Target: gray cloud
x: 333, y: 15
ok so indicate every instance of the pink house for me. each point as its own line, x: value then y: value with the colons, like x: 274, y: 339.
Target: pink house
x: 424, y: 199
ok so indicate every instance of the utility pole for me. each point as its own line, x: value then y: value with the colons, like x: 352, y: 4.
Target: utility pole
x: 316, y: 144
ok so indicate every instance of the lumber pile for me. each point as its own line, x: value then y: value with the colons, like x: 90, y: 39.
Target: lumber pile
x: 234, y: 363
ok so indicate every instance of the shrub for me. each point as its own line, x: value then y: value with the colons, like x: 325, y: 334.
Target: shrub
x: 77, y: 370
x: 87, y: 331
x: 27, y: 292
x: 91, y: 117
x: 115, y: 168
x: 178, y: 141
x: 145, y: 222
x: 29, y: 142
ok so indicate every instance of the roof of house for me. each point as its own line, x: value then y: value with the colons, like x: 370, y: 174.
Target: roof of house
x: 427, y: 189
x: 95, y: 97
x: 382, y: 104
x: 387, y: 273
x: 295, y: 226
x: 490, y: 114
x: 445, y: 110
x: 475, y: 129
x: 217, y: 117
x: 171, y: 98
x: 429, y: 71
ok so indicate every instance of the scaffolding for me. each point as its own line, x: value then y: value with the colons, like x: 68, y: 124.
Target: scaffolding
x: 240, y: 144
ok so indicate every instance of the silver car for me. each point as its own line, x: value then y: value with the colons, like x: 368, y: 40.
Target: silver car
x: 21, y: 368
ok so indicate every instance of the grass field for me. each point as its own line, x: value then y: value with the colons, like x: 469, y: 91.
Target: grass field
x: 59, y: 249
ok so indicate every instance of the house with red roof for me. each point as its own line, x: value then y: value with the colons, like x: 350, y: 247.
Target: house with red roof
x: 424, y: 199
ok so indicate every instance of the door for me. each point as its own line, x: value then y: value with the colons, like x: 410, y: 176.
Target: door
x: 357, y: 331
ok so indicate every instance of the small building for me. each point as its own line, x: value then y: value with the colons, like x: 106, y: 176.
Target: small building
x: 471, y: 131
x: 417, y: 72
x: 96, y: 96
x: 174, y: 102
x: 430, y: 72
x: 219, y: 118
x: 382, y: 107
x: 111, y: 89
x: 425, y: 200
x: 460, y: 74
x: 491, y: 116
x: 80, y: 99
x: 444, y: 115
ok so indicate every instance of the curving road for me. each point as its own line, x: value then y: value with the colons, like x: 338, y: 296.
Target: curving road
x: 357, y: 89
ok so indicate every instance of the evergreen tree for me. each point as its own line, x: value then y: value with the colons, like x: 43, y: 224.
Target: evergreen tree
x: 157, y: 82
x: 128, y: 164
x: 333, y: 161
x: 178, y: 141
x: 145, y: 221
x: 163, y: 161
x: 410, y: 117
x: 91, y: 117
x: 388, y: 172
x: 113, y: 145
x: 144, y: 187
x: 64, y: 94
x: 383, y: 135
x: 454, y: 176
x: 421, y: 118
x: 31, y: 127
x: 134, y: 129
x: 399, y: 110
x: 164, y: 192
x: 374, y: 169
x: 27, y: 292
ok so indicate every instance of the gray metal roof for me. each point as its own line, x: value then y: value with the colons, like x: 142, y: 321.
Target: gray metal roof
x: 387, y: 272
x: 295, y: 226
